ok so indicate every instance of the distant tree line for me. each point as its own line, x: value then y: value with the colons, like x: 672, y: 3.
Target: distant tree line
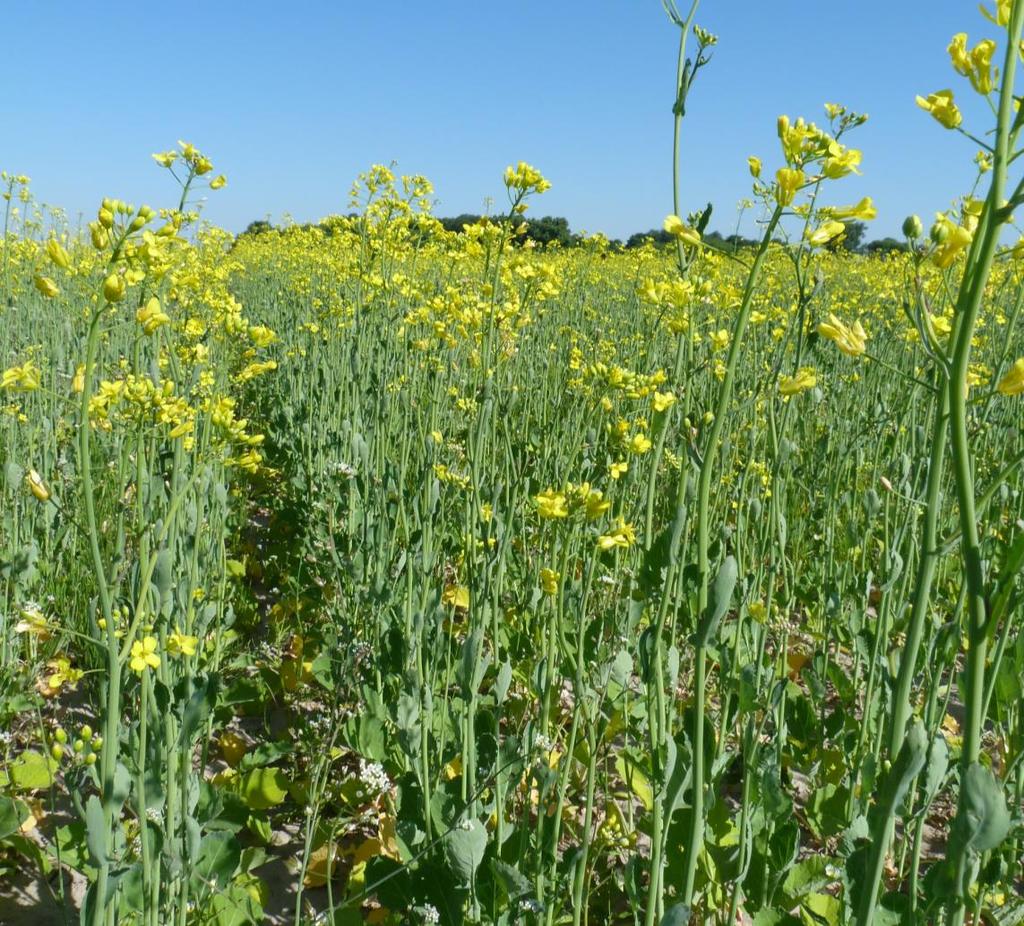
x: 555, y: 229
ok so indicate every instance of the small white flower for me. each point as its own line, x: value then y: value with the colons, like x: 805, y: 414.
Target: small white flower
x: 372, y: 775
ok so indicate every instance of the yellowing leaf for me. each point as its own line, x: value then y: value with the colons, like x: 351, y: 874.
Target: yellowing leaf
x: 263, y: 788
x: 636, y: 781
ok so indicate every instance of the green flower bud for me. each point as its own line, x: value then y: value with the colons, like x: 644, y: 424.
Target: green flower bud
x: 912, y: 227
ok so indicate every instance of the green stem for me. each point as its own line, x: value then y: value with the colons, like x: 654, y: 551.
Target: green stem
x: 708, y: 465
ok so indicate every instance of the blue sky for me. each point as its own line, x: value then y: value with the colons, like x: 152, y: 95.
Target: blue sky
x: 292, y: 100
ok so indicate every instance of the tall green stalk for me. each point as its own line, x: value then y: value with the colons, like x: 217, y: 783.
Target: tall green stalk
x: 708, y: 465
x: 968, y: 306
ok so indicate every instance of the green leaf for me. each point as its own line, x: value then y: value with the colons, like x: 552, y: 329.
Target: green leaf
x: 263, y: 788
x: 32, y: 771
x: 676, y: 915
x: 636, y: 780
x: 502, y: 682
x: 321, y: 669
x: 983, y: 820
x: 464, y: 849
x: 516, y: 884
x: 96, y: 834
x: 935, y: 771
x: 217, y: 861
x: 200, y: 704
x: 719, y: 600
x: 238, y: 905
x: 12, y: 814
x: 808, y: 876
x: 821, y: 910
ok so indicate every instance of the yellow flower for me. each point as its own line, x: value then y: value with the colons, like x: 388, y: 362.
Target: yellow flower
x: 113, y: 288
x: 719, y: 339
x: 551, y: 504
x: 850, y: 340
x: 615, y: 470
x: 679, y: 229
x: 217, y: 182
x: 33, y: 622
x: 144, y: 655
x: 958, y: 53
x: 788, y: 181
x: 549, y: 581
x: 181, y: 644
x: 61, y: 673
x: 805, y: 379
x: 36, y: 486
x: 826, y: 233
x: 841, y: 161
x: 21, y: 379
x: 639, y: 444
x: 525, y: 179
x: 57, y: 254
x: 1013, y: 382
x: 957, y: 238
x: 1002, y: 14
x: 976, y: 64
x: 596, y: 505
x: 754, y: 163
x: 940, y: 104
x: 166, y: 158
x: 457, y: 596
x: 622, y: 535
x: 151, y: 316
x: 662, y: 400
x: 864, y: 210
x: 46, y: 286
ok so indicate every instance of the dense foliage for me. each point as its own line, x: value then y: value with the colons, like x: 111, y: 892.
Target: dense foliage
x: 504, y: 584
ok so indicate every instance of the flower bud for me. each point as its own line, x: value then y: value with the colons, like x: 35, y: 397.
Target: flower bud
x: 60, y: 735
x: 46, y: 286
x: 36, y: 486
x: 99, y: 236
x: 57, y: 751
x: 86, y: 732
x: 113, y: 288
x: 939, y: 232
x: 57, y: 254
x: 106, y: 218
x: 912, y: 227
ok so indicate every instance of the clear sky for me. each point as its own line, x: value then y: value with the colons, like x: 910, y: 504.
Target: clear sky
x: 293, y: 99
